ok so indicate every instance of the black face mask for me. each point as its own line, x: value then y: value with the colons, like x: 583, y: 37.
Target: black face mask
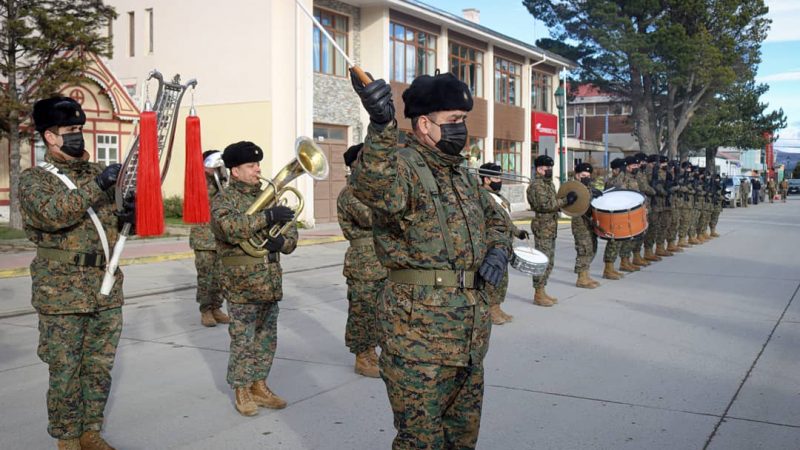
x: 586, y: 181
x: 548, y: 173
x: 634, y: 171
x: 73, y: 144
x: 454, y: 138
x: 496, y: 185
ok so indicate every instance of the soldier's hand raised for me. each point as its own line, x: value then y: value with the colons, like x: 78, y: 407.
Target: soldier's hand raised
x: 108, y: 177
x: 376, y: 98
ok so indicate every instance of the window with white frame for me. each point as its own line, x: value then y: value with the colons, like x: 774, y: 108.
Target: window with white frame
x: 107, y: 148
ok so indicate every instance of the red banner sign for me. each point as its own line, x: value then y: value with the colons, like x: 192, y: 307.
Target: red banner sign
x: 544, y: 125
x: 769, y: 156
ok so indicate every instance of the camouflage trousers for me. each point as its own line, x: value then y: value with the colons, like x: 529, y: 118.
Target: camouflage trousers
x: 254, y: 338
x: 435, y: 406
x: 362, y: 331
x: 585, y: 244
x: 547, y: 245
x: 683, y: 225
x: 654, y: 223
x: 79, y: 351
x: 715, y: 217
x: 497, y: 294
x: 612, y: 251
x: 674, y: 223
x: 702, y: 221
x: 209, y: 294
x: 664, y: 218
x: 693, y: 219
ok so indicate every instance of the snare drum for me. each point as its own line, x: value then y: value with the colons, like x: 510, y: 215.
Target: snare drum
x: 528, y: 260
x: 619, y: 215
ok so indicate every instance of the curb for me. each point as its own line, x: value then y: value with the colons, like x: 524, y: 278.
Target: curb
x: 25, y: 271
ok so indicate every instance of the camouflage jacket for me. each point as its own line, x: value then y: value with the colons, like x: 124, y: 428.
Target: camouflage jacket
x: 643, y: 186
x: 55, y: 217
x: 502, y: 210
x: 201, y: 237
x: 437, y: 325
x: 230, y: 225
x: 355, y: 219
x: 542, y: 199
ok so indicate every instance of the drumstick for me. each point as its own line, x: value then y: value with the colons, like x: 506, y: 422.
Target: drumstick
x: 362, y: 76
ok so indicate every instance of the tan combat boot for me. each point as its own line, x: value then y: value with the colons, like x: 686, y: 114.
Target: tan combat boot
x: 693, y: 240
x: 673, y: 247
x: 497, y: 318
x: 244, y: 401
x: 609, y: 273
x: 505, y: 315
x: 626, y: 266
x: 649, y: 255
x: 91, y: 440
x: 714, y: 232
x: 263, y: 396
x: 540, y: 299
x: 552, y: 299
x: 639, y: 261
x: 69, y: 444
x: 661, y: 251
x: 366, y: 366
x: 684, y: 242
x: 207, y: 319
x: 219, y: 316
x: 706, y: 236
x: 584, y: 281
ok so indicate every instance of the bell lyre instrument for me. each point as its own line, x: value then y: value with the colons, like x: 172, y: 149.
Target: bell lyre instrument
x: 166, y: 107
x: 309, y: 159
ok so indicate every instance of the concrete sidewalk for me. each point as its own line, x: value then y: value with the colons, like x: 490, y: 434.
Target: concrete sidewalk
x: 697, y: 351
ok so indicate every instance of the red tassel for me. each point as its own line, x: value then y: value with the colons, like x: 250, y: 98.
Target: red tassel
x: 149, y: 204
x: 195, y: 191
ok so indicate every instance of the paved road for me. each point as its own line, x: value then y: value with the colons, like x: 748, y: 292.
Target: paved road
x: 698, y: 351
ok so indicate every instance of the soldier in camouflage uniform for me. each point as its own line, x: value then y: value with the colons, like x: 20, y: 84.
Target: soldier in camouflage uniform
x: 491, y: 185
x: 365, y: 276
x: 439, y: 238
x: 649, y: 170
x: 611, y: 251
x: 542, y: 200
x: 79, y: 328
x: 663, y: 198
x: 675, y: 199
x: 686, y: 184
x: 206, y: 262
x: 718, y: 194
x: 252, y: 284
x: 644, y: 188
x: 701, y: 191
x: 784, y: 189
x: 628, y: 181
x: 583, y: 233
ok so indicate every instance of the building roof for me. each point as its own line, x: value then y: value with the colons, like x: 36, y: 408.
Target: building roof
x: 530, y: 50
x: 589, y: 93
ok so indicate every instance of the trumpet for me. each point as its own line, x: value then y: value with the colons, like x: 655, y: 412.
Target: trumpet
x: 502, y: 175
x: 309, y: 159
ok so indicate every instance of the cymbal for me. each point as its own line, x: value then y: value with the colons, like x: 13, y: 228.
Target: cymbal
x: 581, y: 205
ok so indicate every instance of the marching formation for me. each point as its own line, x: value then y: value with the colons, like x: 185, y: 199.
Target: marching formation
x: 426, y: 269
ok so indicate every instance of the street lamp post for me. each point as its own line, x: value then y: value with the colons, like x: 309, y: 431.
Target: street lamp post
x: 560, y: 105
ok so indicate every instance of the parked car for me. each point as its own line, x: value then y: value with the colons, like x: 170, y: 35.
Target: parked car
x: 732, y: 193
x: 794, y: 186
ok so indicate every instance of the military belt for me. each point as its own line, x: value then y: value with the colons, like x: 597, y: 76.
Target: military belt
x: 438, y: 278
x: 361, y: 242
x: 246, y: 260
x: 70, y: 257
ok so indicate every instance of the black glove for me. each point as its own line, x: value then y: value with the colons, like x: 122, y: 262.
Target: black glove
x: 127, y: 214
x: 572, y: 197
x: 108, y: 177
x: 278, y: 214
x: 376, y: 98
x: 275, y: 244
x: 523, y: 234
x: 494, y: 266
x: 596, y: 193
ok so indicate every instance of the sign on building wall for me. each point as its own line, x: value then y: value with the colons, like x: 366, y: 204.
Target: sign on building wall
x: 544, y: 125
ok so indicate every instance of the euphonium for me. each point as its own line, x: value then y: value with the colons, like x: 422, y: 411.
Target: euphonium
x: 309, y: 159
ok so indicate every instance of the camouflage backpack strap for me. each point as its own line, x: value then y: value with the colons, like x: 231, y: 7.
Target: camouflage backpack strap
x: 92, y: 215
x: 418, y: 165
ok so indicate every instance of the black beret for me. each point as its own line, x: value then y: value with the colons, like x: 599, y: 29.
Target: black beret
x: 618, y: 163
x: 640, y: 157
x: 663, y: 159
x: 441, y: 92
x: 583, y: 167
x: 242, y: 152
x: 57, y: 112
x: 652, y: 158
x: 490, y: 170
x: 631, y: 160
x: 686, y: 165
x: 352, y: 154
x: 543, y: 160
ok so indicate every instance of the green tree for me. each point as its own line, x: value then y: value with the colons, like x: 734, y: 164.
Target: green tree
x: 667, y: 57
x: 41, y: 48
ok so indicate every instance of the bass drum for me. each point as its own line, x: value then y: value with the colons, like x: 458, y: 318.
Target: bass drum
x: 619, y: 215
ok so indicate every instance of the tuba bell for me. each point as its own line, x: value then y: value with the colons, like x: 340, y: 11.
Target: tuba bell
x: 309, y: 159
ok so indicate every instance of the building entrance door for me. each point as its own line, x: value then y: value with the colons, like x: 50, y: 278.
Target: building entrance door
x: 332, y: 139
